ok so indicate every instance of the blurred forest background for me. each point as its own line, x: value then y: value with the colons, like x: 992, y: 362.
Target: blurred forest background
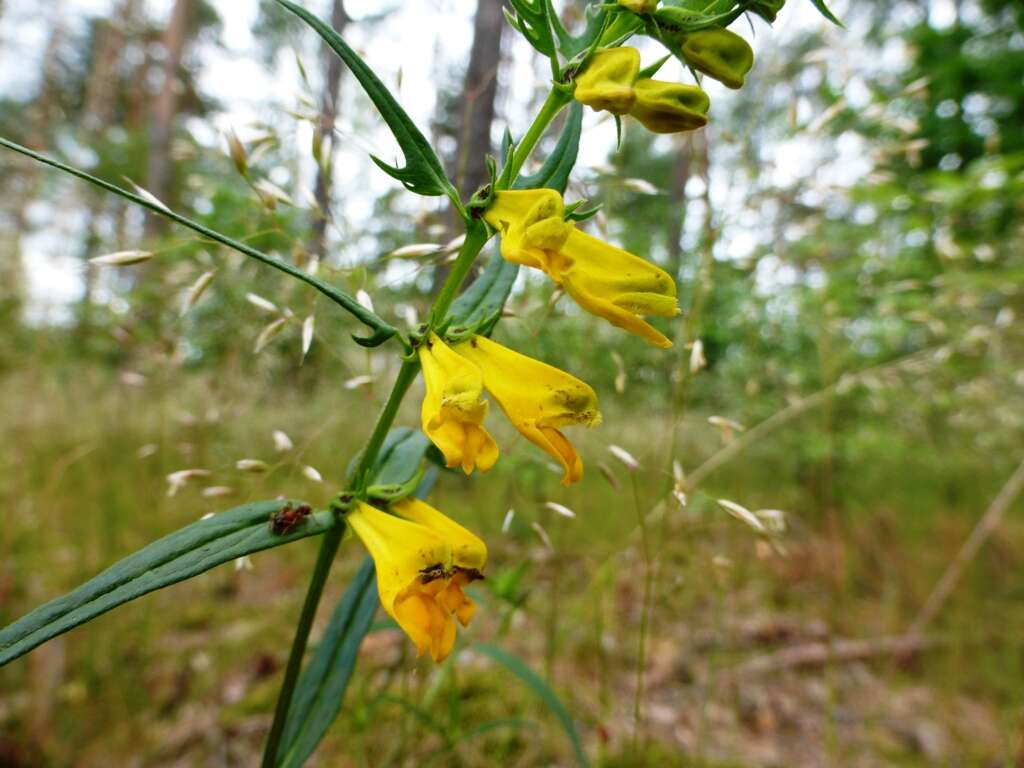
x: 848, y: 237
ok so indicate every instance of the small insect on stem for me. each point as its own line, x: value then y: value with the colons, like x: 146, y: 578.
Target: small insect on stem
x: 286, y: 519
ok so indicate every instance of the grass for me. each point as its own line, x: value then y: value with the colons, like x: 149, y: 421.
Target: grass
x: 189, y: 674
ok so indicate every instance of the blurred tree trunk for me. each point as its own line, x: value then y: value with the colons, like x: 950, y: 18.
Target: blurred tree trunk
x: 478, y: 97
x: 329, y: 98
x: 165, y: 108
x: 479, y: 91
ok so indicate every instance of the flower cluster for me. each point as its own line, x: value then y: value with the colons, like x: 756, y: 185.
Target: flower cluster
x: 537, y: 398
x: 425, y: 560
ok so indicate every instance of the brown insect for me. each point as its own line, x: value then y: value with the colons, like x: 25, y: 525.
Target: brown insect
x: 432, y: 572
x: 288, y: 518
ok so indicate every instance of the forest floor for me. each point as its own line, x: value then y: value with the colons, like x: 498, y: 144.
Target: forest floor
x: 737, y: 625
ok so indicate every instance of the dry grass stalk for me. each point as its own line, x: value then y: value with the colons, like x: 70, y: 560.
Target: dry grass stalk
x: 982, y: 530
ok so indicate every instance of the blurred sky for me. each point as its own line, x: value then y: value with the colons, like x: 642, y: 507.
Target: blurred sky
x: 420, y: 45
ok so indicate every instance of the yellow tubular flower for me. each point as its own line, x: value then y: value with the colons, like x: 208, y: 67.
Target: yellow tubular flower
x: 413, y: 565
x: 604, y: 280
x: 469, y: 554
x: 453, y: 412
x: 670, y: 107
x: 537, y: 398
x: 607, y: 80
x: 720, y: 54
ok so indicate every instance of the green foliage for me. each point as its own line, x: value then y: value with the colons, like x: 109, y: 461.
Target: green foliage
x: 541, y: 690
x: 422, y: 173
x: 320, y: 692
x: 181, y: 555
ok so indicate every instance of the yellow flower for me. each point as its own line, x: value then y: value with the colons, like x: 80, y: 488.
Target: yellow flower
x: 413, y: 573
x: 469, y: 554
x: 607, y: 80
x: 537, y: 398
x: 453, y: 412
x: 604, y: 280
x: 670, y: 107
x: 720, y: 54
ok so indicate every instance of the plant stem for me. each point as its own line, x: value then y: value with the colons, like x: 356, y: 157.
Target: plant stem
x: 328, y: 549
x: 551, y: 107
x: 476, y: 237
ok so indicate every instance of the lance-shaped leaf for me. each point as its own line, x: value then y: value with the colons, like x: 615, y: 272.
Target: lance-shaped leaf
x: 478, y: 309
x: 181, y: 555
x: 381, y: 330
x: 422, y: 173
x: 542, y: 690
x: 554, y: 174
x: 321, y: 689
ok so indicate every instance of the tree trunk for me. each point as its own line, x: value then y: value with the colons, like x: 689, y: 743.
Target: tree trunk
x: 165, y: 107
x: 479, y: 90
x: 325, y: 135
x: 478, y: 96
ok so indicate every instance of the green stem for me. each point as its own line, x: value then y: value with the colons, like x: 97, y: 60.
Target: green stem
x: 328, y: 549
x: 476, y: 238
x: 406, y: 376
x: 551, y: 107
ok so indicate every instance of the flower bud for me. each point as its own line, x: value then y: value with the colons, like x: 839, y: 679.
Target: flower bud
x: 669, y: 107
x: 639, y: 6
x: 720, y: 54
x: 607, y: 80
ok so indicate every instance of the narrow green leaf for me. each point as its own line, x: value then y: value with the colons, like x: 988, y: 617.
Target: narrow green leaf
x: 402, y: 460
x: 824, y: 11
x: 541, y: 689
x: 422, y: 173
x: 554, y: 174
x: 381, y: 330
x: 479, y: 307
x: 181, y: 555
x: 321, y: 689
